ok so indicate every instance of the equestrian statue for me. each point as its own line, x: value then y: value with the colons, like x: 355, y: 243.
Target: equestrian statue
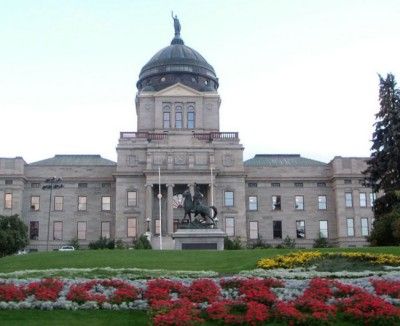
x: 194, y: 205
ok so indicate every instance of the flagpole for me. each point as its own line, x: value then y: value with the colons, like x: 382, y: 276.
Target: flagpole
x: 212, y: 190
x: 159, y: 204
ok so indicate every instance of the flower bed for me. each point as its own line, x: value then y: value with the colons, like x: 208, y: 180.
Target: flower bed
x: 234, y: 300
x: 304, y: 258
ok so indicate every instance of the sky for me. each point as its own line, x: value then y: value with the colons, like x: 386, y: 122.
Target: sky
x: 296, y: 76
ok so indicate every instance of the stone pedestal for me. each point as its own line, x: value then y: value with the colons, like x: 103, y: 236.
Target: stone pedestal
x: 209, y: 239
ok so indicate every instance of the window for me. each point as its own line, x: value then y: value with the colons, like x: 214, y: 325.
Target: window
x: 9, y: 182
x: 323, y: 229
x: 299, y: 202
x: 277, y: 229
x: 131, y: 198
x: 34, y: 230
x: 276, y: 203
x: 298, y: 184
x: 228, y: 198
x: 35, y: 203
x: 35, y: 185
x: 322, y: 202
x: 321, y: 184
x: 105, y: 230
x: 252, y: 184
x: 372, y: 198
x: 275, y: 184
x: 81, y: 227
x: 106, y: 185
x: 347, y: 181
x: 363, y: 199
x: 58, y: 203
x: 364, y: 227
x: 253, y: 203
x: 348, y: 199
x: 82, y: 203
x: 57, y: 230
x: 166, y: 120
x: 132, y: 233
x: 350, y: 227
x: 106, y: 203
x: 82, y: 185
x: 178, y: 120
x: 253, y: 227
x: 8, y: 201
x: 300, y: 229
x: 230, y: 226
x: 190, y: 120
x: 157, y: 227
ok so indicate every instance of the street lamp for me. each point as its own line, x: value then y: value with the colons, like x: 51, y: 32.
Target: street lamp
x: 51, y: 183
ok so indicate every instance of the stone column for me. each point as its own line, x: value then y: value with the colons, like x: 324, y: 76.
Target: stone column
x: 149, y: 205
x: 170, y: 215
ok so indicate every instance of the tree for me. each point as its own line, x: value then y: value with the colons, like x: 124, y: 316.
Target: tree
x: 13, y: 235
x: 384, y: 164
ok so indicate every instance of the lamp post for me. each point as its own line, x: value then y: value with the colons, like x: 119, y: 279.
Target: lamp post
x: 148, y: 228
x: 51, y: 183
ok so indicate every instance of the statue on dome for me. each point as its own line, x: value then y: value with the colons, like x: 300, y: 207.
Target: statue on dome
x: 177, y: 24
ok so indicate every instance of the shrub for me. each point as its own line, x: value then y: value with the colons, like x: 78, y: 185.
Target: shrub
x: 259, y: 244
x: 289, y: 243
x: 142, y: 243
x: 13, y: 235
x: 119, y: 244
x: 321, y: 242
x: 75, y: 243
x: 234, y: 244
x: 102, y: 243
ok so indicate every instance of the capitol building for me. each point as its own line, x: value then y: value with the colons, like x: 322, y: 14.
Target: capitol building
x: 267, y: 198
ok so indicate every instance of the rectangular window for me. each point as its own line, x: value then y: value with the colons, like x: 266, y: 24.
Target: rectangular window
x: 166, y: 120
x: 35, y: 203
x: 252, y: 184
x: 364, y: 227
x: 34, y: 230
x: 372, y: 198
x: 322, y: 202
x: 131, y: 198
x: 106, y: 185
x: 58, y: 203
x: 35, y: 185
x: 275, y: 184
x: 347, y: 181
x: 228, y: 198
x: 9, y: 182
x: 300, y: 229
x: 230, y: 226
x: 81, y: 227
x: 132, y: 233
x: 178, y: 120
x: 350, y: 227
x: 190, y: 120
x: 82, y: 203
x: 348, y: 199
x: 298, y: 184
x: 105, y: 230
x: 157, y: 227
x: 321, y: 184
x: 277, y: 229
x: 299, y: 202
x: 57, y: 230
x: 8, y: 200
x: 363, y: 199
x: 276, y: 203
x: 253, y: 203
x: 253, y: 226
x: 106, y: 203
x: 82, y: 185
x: 323, y: 229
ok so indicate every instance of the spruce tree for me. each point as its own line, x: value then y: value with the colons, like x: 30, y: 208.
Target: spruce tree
x: 384, y: 164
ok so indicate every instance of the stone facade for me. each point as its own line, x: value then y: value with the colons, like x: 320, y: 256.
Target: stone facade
x: 178, y: 133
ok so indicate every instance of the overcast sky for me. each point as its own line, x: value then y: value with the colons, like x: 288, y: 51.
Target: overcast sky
x: 295, y: 76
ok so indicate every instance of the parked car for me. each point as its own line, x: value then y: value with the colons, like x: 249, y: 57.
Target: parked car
x: 66, y: 248
x: 22, y: 252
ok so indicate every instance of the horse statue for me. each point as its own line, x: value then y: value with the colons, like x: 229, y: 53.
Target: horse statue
x: 195, y: 206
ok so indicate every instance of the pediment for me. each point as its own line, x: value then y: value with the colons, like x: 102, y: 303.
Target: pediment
x: 178, y: 90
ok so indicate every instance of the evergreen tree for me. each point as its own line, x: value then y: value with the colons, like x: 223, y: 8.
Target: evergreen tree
x: 13, y: 235
x: 384, y: 165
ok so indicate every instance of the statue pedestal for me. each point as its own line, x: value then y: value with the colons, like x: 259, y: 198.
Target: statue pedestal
x: 209, y: 239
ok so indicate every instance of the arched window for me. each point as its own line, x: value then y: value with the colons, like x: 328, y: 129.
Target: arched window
x: 191, y: 120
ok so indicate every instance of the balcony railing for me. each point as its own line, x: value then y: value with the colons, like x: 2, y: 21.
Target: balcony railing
x: 142, y: 135
x: 210, y: 136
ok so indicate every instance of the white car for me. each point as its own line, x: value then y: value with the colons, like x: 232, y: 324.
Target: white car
x: 66, y: 248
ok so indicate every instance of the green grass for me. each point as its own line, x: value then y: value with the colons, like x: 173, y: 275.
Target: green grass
x: 226, y: 262
x: 70, y: 318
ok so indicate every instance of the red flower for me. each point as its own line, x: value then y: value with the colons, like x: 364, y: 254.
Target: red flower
x: 45, y: 290
x: 161, y: 289
x: 179, y: 313
x: 202, y: 290
x: 255, y: 289
x: 11, y: 292
x: 384, y: 287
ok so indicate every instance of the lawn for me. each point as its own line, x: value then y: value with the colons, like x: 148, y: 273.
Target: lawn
x: 226, y: 262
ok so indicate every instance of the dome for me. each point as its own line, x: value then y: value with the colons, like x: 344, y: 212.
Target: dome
x: 177, y: 63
